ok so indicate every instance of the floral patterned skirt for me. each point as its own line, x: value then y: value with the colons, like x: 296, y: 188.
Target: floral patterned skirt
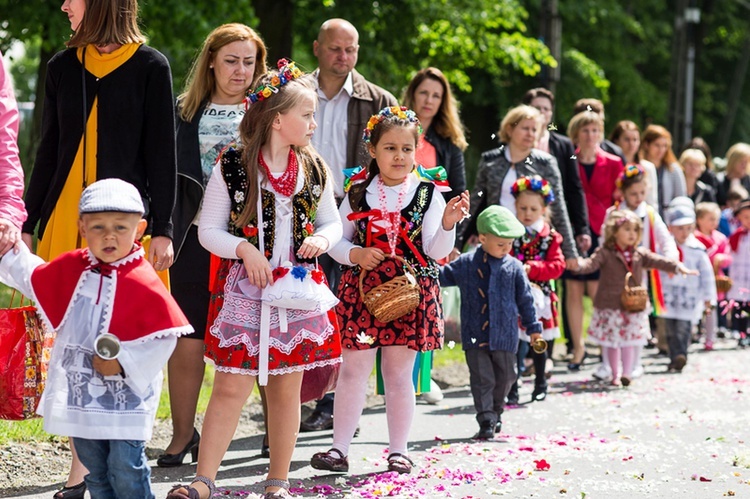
x: 232, y: 342
x: 618, y: 328
x: 421, y: 330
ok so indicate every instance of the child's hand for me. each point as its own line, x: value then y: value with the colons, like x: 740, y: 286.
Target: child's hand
x: 106, y: 367
x: 456, y: 210
x: 257, y: 267
x: 708, y: 307
x: 573, y: 263
x: 312, y: 247
x: 367, y: 258
x: 720, y: 260
x: 686, y: 271
x: 527, y: 268
x: 533, y: 337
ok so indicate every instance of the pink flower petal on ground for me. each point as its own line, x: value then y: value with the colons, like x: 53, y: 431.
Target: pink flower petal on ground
x: 542, y: 465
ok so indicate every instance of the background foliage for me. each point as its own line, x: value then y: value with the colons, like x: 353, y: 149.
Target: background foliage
x: 620, y: 51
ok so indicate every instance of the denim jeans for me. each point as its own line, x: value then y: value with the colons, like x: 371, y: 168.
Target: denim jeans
x: 118, y: 469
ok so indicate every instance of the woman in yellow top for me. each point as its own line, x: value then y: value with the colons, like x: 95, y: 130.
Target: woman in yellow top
x: 125, y: 88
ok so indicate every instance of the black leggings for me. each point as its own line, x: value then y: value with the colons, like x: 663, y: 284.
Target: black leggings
x: 741, y: 316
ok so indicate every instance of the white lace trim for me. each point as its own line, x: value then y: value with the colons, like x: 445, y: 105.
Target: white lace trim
x: 286, y: 348
x: 275, y: 372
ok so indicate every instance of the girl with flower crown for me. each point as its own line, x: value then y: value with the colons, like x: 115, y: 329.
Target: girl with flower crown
x: 634, y: 186
x: 621, y: 332
x: 389, y: 213
x: 269, y: 208
x: 539, y: 249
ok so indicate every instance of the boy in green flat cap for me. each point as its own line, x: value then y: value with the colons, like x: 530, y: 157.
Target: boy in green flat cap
x: 494, y: 293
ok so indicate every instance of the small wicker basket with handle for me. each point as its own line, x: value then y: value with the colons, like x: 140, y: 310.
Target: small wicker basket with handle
x: 635, y: 298
x: 392, y: 299
x: 723, y: 282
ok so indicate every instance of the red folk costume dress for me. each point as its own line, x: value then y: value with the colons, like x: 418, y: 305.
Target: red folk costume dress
x: 421, y: 329
x: 233, y: 340
x: 542, y: 252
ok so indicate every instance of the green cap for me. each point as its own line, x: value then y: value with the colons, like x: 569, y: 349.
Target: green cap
x: 500, y: 222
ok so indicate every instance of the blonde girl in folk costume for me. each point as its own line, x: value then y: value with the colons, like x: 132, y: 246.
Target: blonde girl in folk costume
x: 634, y: 185
x: 269, y: 206
x: 389, y: 211
x: 539, y: 249
x: 619, y: 331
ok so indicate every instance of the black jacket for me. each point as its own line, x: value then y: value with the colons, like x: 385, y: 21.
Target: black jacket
x: 190, y: 187
x: 135, y: 136
x: 724, y: 186
x: 563, y: 150
x: 450, y: 157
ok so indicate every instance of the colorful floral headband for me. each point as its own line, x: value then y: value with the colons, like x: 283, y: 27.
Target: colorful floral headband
x: 288, y: 71
x: 534, y: 184
x: 631, y: 170
x: 401, y: 113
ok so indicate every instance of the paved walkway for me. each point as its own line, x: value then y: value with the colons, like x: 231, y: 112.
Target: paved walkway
x: 682, y: 436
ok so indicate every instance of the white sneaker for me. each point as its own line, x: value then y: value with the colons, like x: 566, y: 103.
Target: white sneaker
x: 637, y: 371
x: 603, y: 373
x: 435, y: 394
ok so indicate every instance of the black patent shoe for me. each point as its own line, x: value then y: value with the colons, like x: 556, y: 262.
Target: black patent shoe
x: 486, y: 431
x: 172, y: 460
x: 498, y: 427
x: 318, y: 421
x: 539, y: 393
x: 576, y: 366
x: 265, y: 450
x: 74, y: 492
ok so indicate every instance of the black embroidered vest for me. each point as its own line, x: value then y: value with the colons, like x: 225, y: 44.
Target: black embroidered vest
x: 412, y: 217
x: 304, y: 203
x: 527, y: 249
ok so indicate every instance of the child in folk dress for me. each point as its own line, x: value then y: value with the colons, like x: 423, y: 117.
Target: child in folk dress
x: 686, y: 299
x: 269, y: 206
x: 620, y: 332
x: 543, y: 261
x: 389, y: 212
x: 739, y: 294
x: 106, y: 405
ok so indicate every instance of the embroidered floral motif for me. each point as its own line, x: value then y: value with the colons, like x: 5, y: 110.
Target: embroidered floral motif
x: 239, y: 196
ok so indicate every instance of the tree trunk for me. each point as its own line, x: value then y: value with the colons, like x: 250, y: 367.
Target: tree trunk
x: 276, y: 27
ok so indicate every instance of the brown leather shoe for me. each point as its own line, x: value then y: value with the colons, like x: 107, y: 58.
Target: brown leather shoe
x: 331, y: 460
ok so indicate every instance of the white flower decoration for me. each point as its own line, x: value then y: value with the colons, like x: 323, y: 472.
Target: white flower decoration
x: 316, y: 190
x: 239, y: 196
x: 451, y: 344
x: 365, y: 338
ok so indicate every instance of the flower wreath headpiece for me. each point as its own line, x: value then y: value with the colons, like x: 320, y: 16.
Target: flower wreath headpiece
x: 402, y: 113
x: 288, y: 71
x: 534, y: 183
x: 631, y: 170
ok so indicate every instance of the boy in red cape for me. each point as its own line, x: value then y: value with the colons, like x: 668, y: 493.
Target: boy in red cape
x: 107, y: 406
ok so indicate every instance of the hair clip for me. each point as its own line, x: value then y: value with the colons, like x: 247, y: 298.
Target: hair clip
x: 536, y: 184
x: 288, y: 71
x: 392, y: 112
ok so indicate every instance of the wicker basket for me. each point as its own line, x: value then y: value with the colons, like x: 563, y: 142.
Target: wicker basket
x: 634, y: 299
x: 392, y: 299
x: 723, y: 283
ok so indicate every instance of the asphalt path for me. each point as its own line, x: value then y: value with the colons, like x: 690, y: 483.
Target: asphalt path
x: 667, y: 435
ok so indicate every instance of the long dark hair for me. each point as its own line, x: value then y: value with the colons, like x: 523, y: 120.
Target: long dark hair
x: 357, y: 191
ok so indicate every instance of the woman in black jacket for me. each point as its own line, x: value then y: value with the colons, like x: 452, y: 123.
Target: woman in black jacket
x: 209, y: 114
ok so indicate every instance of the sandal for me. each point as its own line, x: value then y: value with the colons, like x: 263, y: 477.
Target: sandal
x: 72, y: 492
x: 191, y: 492
x: 329, y: 462
x: 399, y: 463
x: 282, y: 493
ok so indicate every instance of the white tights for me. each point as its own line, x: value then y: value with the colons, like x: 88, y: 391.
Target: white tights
x: 351, y: 390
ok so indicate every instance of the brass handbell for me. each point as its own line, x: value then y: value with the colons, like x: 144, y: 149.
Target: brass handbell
x: 539, y: 346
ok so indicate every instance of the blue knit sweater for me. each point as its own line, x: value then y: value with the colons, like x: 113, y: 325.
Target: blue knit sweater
x: 494, y: 292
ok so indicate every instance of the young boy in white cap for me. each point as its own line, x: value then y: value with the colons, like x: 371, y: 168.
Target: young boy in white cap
x: 686, y: 298
x: 106, y: 405
x: 495, y: 291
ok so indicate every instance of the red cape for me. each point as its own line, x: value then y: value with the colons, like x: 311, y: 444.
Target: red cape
x: 142, y: 305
